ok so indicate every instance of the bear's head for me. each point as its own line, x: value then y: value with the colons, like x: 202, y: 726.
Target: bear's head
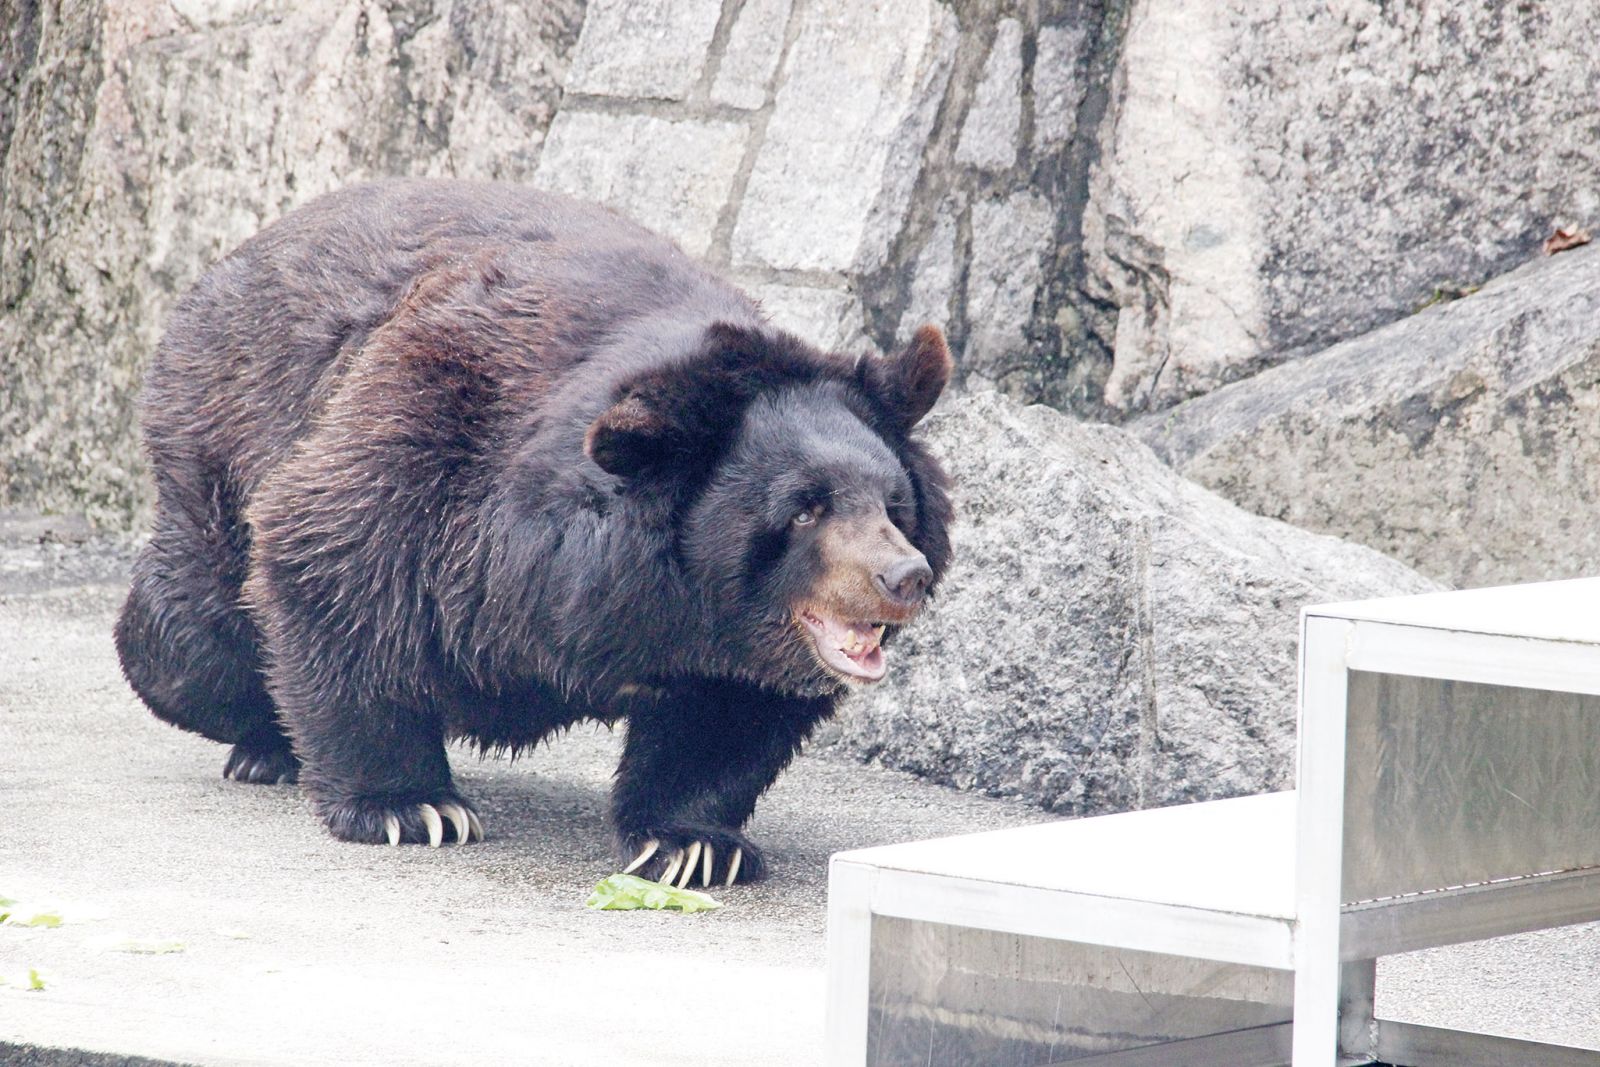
x: 808, y: 518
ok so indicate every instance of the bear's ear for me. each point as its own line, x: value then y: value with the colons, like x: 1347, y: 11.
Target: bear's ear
x: 916, y: 375
x: 627, y: 437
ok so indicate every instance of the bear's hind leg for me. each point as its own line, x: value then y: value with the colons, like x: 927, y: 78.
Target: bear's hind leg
x: 697, y: 758
x: 192, y: 656
x: 378, y: 772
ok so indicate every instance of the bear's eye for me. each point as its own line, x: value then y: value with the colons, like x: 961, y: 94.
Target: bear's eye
x: 901, y: 511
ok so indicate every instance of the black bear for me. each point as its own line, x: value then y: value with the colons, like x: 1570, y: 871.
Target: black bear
x: 441, y: 459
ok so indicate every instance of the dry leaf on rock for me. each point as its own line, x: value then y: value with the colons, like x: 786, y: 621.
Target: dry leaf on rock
x: 1562, y: 240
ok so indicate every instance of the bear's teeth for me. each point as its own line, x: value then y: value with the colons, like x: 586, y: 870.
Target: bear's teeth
x: 860, y: 638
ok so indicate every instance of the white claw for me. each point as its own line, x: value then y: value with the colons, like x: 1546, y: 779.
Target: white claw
x: 733, y: 866
x: 435, y: 825
x: 456, y: 816
x: 391, y: 827
x: 705, y: 866
x: 650, y: 847
x: 672, y: 869
x: 476, y: 831
x: 690, y: 865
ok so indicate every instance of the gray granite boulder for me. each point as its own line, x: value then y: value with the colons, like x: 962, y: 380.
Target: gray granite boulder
x: 1273, y: 178
x: 1111, y: 636
x: 1464, y: 440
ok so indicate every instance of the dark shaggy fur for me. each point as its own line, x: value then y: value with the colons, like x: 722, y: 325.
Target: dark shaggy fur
x: 442, y: 459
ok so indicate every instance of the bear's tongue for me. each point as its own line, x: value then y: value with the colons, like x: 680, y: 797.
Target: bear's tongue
x: 851, y: 648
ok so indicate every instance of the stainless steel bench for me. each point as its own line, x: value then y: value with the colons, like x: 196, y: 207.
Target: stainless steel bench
x: 1448, y: 790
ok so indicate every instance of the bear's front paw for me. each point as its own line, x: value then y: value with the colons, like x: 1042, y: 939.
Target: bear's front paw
x: 374, y: 820
x: 678, y: 855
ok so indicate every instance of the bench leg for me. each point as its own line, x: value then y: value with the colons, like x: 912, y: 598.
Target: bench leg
x: 849, y: 963
x: 1319, y: 835
x: 1358, y: 1032
x: 1316, y: 1012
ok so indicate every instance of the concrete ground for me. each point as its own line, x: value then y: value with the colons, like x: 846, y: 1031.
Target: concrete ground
x: 288, y: 947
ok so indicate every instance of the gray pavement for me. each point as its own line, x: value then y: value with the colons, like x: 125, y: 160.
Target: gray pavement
x: 301, y: 949
x: 296, y: 948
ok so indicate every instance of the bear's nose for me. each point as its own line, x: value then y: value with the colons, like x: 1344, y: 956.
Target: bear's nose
x: 906, y: 579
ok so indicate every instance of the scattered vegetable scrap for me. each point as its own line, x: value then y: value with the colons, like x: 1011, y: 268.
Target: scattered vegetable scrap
x: 1562, y: 240
x: 625, y: 892
x: 14, y: 914
x: 34, y: 983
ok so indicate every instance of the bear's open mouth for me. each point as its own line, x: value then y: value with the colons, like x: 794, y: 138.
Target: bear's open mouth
x: 851, y: 648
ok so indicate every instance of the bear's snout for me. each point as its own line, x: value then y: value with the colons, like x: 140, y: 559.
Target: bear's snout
x: 905, y: 581
x: 871, y: 572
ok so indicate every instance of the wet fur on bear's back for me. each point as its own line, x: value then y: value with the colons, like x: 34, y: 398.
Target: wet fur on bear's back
x: 445, y: 442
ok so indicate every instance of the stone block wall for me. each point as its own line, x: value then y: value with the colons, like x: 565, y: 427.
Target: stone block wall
x: 143, y: 139
x: 860, y: 167
x: 1112, y: 205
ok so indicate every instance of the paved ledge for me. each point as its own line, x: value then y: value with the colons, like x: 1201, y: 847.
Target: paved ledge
x: 299, y: 949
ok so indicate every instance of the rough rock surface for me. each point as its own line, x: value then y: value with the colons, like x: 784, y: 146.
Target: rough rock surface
x: 992, y: 239
x: 672, y: 176
x: 1010, y: 240
x: 994, y: 121
x: 1111, y: 205
x: 654, y: 49
x: 1464, y: 440
x: 1111, y: 636
x: 139, y: 140
x: 1277, y: 177
x: 755, y: 44
x: 810, y: 150
x: 842, y: 146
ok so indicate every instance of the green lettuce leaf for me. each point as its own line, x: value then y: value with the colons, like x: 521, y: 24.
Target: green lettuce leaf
x: 14, y: 914
x: 624, y: 892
